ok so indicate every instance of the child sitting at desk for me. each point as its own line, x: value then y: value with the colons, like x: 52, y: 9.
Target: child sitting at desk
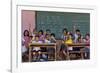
x: 52, y: 38
x: 76, y: 35
x: 87, y: 48
x: 34, y: 34
x: 69, y: 39
x: 36, y: 50
x: 46, y: 40
x: 51, y: 51
x: 41, y: 36
x: 77, y: 39
x: 64, y: 35
x: 63, y: 48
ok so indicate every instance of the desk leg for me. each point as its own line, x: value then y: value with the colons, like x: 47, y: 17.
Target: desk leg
x: 55, y: 53
x: 30, y: 54
x: 67, y: 55
x: 82, y: 53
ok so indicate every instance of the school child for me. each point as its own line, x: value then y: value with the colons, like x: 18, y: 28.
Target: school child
x: 25, y: 45
x: 87, y: 48
x: 44, y: 38
x: 69, y: 39
x: 34, y: 34
x: 47, y: 32
x: 36, y: 50
x: 80, y: 39
x: 63, y: 48
x: 76, y: 35
x: 52, y: 38
x: 41, y: 36
x: 51, y: 51
x: 64, y: 35
x: 47, y: 38
x: 77, y: 39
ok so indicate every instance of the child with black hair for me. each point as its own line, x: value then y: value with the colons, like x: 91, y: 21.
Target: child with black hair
x: 41, y: 36
x: 25, y: 45
x: 34, y: 34
x: 64, y: 35
x: 51, y: 51
x: 87, y: 48
x: 63, y: 48
x: 53, y: 39
x: 36, y: 50
x: 76, y: 35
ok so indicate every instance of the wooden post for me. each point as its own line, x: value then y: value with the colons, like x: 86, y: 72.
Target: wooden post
x: 30, y: 57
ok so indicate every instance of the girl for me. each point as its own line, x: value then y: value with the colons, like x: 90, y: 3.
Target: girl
x: 34, y: 34
x: 64, y: 36
x: 52, y: 38
x: 87, y: 48
x: 41, y: 36
x: 36, y: 50
x: 25, y: 45
x: 69, y: 39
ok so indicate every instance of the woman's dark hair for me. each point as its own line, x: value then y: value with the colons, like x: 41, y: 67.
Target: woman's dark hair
x: 25, y: 32
x: 41, y: 31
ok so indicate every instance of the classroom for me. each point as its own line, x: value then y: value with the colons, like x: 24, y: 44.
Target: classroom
x: 55, y: 36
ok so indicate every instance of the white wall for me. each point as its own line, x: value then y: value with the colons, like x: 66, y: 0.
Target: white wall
x: 5, y: 34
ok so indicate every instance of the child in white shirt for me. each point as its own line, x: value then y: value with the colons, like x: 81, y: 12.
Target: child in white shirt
x: 36, y: 50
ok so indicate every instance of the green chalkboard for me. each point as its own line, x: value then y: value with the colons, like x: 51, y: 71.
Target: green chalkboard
x: 56, y: 21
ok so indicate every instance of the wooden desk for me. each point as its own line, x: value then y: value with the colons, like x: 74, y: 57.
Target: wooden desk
x: 79, y: 45
x: 41, y: 45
